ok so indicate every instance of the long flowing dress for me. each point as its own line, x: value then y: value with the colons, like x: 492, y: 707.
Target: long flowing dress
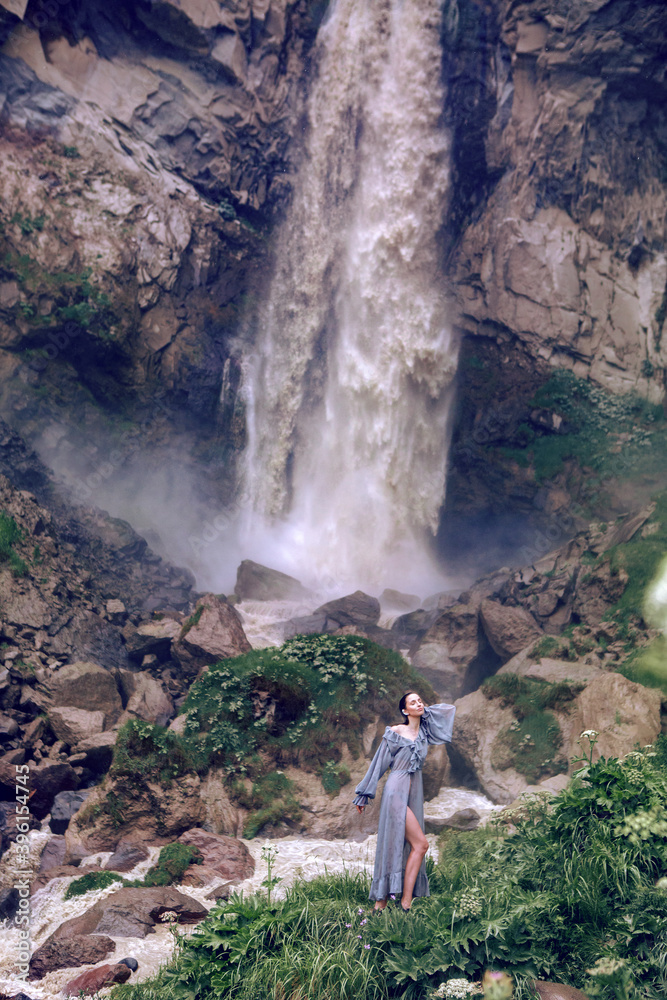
x: 403, y: 789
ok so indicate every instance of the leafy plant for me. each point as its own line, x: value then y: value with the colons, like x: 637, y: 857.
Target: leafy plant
x: 93, y: 880
x: 172, y: 863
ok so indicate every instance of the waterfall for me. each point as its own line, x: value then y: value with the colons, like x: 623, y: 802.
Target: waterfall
x: 349, y: 389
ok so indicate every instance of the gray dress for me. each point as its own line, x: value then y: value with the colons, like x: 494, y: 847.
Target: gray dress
x: 403, y: 788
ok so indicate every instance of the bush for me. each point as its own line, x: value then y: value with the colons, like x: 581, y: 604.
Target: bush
x: 172, y: 863
x: 573, y: 885
x: 93, y: 880
x: 144, y: 750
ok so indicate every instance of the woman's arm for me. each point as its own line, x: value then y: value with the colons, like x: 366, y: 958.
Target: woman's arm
x: 367, y: 787
x: 438, y: 721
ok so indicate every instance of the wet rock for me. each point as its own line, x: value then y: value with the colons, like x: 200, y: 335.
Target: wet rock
x: 131, y: 912
x: 447, y: 649
x: 86, y: 685
x: 354, y: 609
x: 73, y: 725
x: 315, y: 624
x: 508, y: 629
x: 53, y: 854
x: 91, y: 982
x: 8, y: 729
x: 126, y: 856
x: 214, y: 632
x: 260, y: 583
x: 226, y: 856
x: 222, y: 891
x: 9, y: 903
x: 83, y: 950
x: 394, y: 600
x: 464, y: 819
x: 46, y: 780
x: 131, y: 963
x: 65, y: 805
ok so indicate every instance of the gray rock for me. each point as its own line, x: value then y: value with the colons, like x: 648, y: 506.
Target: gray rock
x: 260, y: 583
x: 65, y: 805
x: 126, y: 856
x: 9, y: 903
x: 130, y: 962
x: 354, y: 609
x: 58, y: 954
x: 53, y: 854
x: 131, y: 912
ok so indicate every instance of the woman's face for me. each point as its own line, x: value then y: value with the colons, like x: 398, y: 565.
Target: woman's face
x: 414, y: 706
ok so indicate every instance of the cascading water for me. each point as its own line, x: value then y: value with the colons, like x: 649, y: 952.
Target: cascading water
x: 350, y: 389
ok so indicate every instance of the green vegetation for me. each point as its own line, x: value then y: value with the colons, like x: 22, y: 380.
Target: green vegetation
x: 193, y: 620
x: 71, y: 152
x: 10, y: 534
x: 171, y: 864
x: 641, y: 559
x: 531, y: 743
x: 255, y: 714
x: 648, y: 665
x: 595, y: 418
x: 77, y: 296
x: 93, y: 880
x: 567, y: 897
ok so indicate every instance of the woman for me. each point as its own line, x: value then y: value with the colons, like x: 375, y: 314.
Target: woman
x: 402, y: 846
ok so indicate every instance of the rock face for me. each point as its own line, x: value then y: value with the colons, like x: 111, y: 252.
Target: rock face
x: 509, y: 630
x: 215, y: 633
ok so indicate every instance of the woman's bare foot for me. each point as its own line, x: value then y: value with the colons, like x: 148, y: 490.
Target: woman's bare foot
x: 380, y: 904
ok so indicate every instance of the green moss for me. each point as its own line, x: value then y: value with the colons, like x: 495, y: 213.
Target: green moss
x: 530, y: 745
x: 334, y: 777
x: 548, y: 645
x: 91, y: 881
x: 10, y: 534
x: 172, y: 863
x: 193, y: 620
x: 147, y: 751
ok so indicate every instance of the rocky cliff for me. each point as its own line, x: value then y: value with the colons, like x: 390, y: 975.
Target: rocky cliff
x: 148, y: 152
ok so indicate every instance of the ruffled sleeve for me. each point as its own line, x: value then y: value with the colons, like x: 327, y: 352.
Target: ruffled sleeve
x: 367, y: 787
x: 438, y: 721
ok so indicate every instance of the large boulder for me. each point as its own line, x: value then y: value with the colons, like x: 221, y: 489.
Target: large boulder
x: 354, y: 609
x: 508, y: 629
x: 448, y: 648
x: 214, y: 632
x: 146, y: 697
x: 91, y: 982
x: 131, y: 912
x: 621, y: 712
x: 88, y: 686
x: 152, y: 812
x: 82, y: 950
x: 255, y: 582
x: 53, y: 854
x: 72, y: 725
x: 128, y: 853
x: 226, y: 856
x: 96, y: 752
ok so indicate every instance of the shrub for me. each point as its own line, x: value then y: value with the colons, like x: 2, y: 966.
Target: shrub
x: 93, y: 880
x: 334, y: 777
x: 145, y: 750
x: 172, y: 863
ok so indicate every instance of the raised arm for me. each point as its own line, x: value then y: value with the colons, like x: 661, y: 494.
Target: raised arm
x: 438, y: 721
x: 367, y: 787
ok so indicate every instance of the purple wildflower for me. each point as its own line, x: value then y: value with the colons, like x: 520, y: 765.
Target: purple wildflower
x: 364, y: 921
x: 367, y: 947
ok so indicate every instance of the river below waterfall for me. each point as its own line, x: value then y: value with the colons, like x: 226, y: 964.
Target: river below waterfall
x: 297, y: 857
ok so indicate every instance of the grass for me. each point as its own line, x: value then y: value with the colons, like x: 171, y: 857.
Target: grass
x: 531, y: 743
x: 171, y: 865
x: 91, y: 881
x: 648, y: 665
x: 594, y: 419
x: 10, y: 534
x: 570, y: 885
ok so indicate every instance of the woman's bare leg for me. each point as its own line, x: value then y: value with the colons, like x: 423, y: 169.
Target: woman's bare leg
x: 419, y: 845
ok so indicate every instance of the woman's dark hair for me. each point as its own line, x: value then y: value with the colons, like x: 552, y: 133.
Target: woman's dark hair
x: 401, y: 704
